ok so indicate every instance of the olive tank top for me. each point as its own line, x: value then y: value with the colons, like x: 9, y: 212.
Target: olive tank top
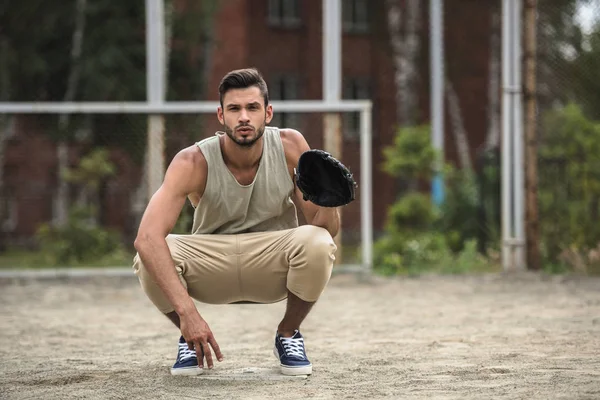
x: 227, y: 207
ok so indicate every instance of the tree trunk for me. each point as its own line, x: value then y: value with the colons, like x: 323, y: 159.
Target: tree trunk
x: 404, y: 52
x: 5, y: 126
x: 409, y: 70
x: 531, y: 178
x: 458, y: 128
x: 61, y: 200
x: 492, y: 139
x: 395, y: 31
x: 209, y: 11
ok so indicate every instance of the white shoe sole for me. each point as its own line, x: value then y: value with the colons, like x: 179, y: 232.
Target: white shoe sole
x: 292, y: 371
x: 188, y: 371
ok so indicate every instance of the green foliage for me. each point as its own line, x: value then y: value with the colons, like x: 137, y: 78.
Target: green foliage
x: 586, y: 68
x: 92, y: 169
x: 429, y: 252
x: 36, y: 37
x: 459, y: 214
x: 411, y: 213
x: 79, y: 241
x: 569, y: 187
x: 420, y: 237
x: 411, y: 155
x: 37, y: 61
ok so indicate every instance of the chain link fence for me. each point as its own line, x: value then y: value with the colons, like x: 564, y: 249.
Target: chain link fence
x: 569, y: 132
x: 103, y: 59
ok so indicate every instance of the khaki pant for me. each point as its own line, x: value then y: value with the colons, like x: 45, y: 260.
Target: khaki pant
x: 251, y: 267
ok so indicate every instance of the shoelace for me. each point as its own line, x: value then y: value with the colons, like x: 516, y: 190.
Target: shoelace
x: 185, y: 353
x: 293, y: 347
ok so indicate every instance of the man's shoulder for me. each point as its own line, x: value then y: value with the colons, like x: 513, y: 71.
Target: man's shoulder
x: 294, y: 144
x: 187, y: 172
x: 291, y: 137
x: 189, y: 158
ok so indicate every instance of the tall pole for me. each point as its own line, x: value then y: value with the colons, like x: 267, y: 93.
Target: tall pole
x: 531, y: 181
x: 436, y: 23
x: 507, y: 232
x: 518, y: 139
x: 155, y: 92
x: 332, y: 82
x: 513, y: 197
x: 366, y: 190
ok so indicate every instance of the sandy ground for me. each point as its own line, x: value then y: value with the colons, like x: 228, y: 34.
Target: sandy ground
x: 517, y: 337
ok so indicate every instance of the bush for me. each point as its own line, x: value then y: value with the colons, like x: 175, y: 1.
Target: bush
x: 569, y: 188
x: 428, y: 252
x: 78, y: 241
x: 418, y: 236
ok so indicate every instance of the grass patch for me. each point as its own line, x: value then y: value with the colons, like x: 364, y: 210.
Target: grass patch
x: 20, y: 259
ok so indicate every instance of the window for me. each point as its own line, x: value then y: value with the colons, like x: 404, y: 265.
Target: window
x: 355, y: 16
x: 284, y: 87
x: 354, y: 89
x: 284, y: 13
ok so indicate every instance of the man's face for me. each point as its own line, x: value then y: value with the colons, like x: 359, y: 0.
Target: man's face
x: 244, y: 115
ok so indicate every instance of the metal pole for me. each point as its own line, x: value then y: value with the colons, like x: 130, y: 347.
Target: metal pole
x: 155, y: 50
x: 178, y: 107
x: 506, y: 129
x: 518, y: 165
x: 366, y: 199
x: 332, y: 50
x: 437, y: 94
x: 332, y: 82
x: 155, y: 90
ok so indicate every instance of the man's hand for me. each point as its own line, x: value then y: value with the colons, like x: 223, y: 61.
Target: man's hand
x: 199, y: 337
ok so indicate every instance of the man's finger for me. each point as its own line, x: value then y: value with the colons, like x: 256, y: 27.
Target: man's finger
x: 199, y: 353
x: 215, y: 347
x: 208, y: 355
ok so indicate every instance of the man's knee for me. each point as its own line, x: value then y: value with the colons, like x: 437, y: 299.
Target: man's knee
x: 138, y: 265
x: 148, y: 283
x: 316, y: 242
x: 311, y: 262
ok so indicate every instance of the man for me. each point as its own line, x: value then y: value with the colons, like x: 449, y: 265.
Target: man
x: 246, y: 245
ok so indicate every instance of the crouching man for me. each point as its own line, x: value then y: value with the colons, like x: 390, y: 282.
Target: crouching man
x: 245, y: 244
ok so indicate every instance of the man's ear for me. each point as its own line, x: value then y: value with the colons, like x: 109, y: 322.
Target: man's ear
x: 220, y: 115
x: 269, y: 113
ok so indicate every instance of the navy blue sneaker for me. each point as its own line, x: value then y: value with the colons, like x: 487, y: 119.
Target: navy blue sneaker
x: 291, y: 354
x: 187, y: 362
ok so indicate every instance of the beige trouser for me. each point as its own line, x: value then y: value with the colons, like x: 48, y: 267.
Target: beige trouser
x: 250, y: 267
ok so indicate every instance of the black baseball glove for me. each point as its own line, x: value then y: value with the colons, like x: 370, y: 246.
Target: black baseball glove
x: 324, y: 180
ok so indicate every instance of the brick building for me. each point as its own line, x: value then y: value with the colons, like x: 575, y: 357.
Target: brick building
x: 283, y: 39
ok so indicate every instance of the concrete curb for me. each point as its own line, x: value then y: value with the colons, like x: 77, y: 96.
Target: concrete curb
x: 62, y: 273
x: 111, y: 272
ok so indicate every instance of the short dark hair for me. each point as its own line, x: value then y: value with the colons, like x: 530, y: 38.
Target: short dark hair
x: 241, y: 79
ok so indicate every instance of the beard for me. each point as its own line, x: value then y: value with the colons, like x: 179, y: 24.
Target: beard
x: 244, y: 141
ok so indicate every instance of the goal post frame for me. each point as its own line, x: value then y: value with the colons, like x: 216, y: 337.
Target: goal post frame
x: 364, y: 107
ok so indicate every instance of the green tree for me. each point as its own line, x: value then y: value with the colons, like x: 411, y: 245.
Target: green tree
x: 570, y: 184
x: 561, y: 43
x: 37, y: 63
x: 586, y: 69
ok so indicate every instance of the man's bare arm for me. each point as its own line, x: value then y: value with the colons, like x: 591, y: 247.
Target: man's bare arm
x: 185, y: 175
x: 326, y: 217
x: 157, y: 222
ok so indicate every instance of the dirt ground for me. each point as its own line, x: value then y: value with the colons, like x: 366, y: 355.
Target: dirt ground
x: 494, y: 336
